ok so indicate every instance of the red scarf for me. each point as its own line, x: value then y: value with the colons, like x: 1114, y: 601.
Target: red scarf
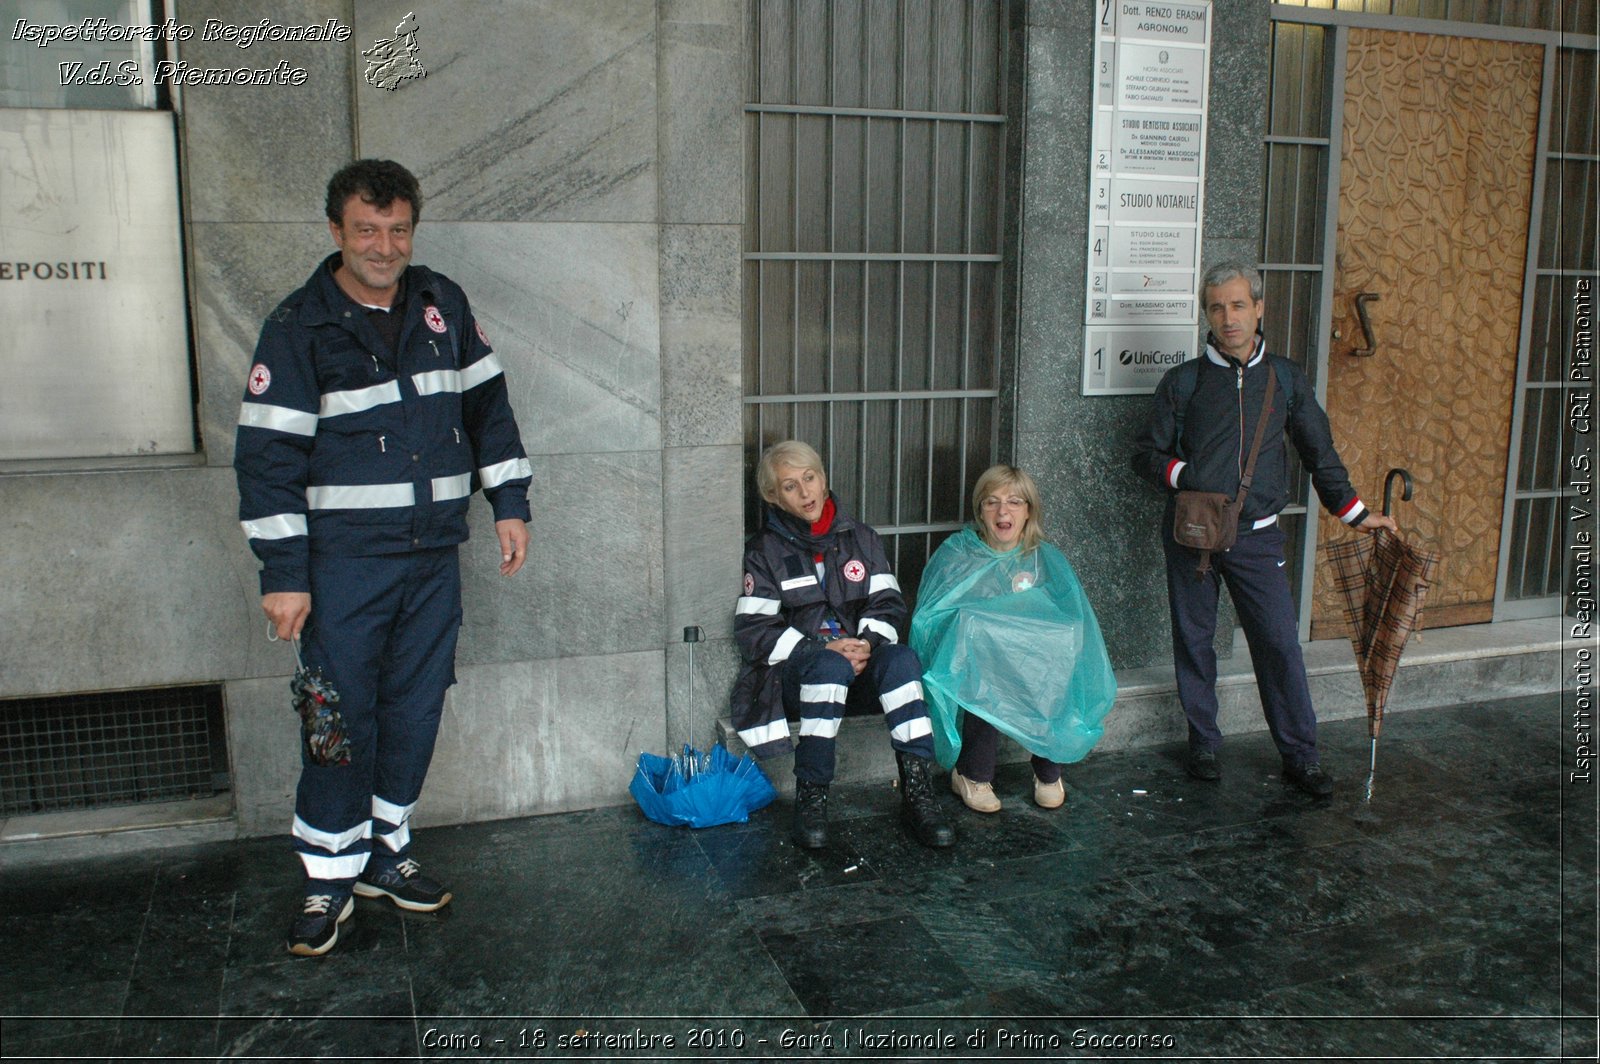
x: 821, y: 525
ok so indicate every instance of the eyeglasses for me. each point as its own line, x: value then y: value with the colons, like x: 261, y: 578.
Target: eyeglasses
x: 1014, y: 502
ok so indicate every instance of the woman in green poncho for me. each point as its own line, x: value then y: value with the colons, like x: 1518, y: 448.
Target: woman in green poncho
x: 1009, y: 645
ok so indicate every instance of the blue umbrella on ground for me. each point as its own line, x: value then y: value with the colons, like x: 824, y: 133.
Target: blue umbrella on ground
x: 697, y: 789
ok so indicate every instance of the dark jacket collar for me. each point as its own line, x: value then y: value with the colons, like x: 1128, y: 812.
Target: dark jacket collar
x: 326, y: 302
x: 1215, y: 355
x: 799, y: 532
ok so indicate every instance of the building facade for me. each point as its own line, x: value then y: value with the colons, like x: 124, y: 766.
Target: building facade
x: 664, y: 215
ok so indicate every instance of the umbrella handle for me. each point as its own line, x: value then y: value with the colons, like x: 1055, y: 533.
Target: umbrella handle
x: 1388, y: 489
x: 692, y: 635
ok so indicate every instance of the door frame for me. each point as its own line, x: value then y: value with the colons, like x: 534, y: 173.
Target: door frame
x: 1340, y: 23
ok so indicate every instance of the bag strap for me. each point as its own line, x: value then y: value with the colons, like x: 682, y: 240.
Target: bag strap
x: 1255, y: 447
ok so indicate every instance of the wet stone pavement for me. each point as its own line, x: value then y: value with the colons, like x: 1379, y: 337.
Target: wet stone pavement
x: 1453, y: 915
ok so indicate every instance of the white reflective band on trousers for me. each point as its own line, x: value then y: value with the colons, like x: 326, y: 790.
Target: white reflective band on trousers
x: 821, y: 727
x: 399, y: 815
x: 767, y: 733
x: 824, y: 692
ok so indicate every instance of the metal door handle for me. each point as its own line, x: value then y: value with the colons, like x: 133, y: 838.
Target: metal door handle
x: 1366, y: 326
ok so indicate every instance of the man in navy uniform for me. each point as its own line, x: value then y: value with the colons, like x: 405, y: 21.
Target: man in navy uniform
x: 374, y: 409
x: 1202, y: 422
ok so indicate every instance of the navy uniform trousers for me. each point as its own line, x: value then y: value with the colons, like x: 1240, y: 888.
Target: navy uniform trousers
x: 1258, y: 582
x: 383, y: 629
x: 818, y: 685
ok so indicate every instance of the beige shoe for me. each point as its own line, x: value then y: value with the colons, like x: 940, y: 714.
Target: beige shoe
x: 1049, y: 795
x: 979, y: 797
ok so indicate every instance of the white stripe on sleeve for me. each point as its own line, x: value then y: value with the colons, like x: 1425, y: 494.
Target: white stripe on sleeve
x: 486, y: 368
x: 278, y: 419
x: 278, y: 526
x: 511, y: 469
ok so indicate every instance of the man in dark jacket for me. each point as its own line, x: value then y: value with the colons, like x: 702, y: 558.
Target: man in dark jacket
x: 374, y: 409
x: 821, y: 610
x: 1198, y: 437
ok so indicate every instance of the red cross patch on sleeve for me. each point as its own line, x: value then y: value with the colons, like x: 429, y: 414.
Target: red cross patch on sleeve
x: 260, y: 379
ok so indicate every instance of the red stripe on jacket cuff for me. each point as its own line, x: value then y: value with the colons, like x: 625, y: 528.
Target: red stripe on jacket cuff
x: 1174, y: 470
x: 1354, y: 513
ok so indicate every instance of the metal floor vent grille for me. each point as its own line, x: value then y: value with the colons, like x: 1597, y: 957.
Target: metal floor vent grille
x: 109, y: 749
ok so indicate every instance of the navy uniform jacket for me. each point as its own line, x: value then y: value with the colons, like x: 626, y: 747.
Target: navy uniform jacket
x: 345, y: 448
x: 1203, y: 419
x: 780, y: 616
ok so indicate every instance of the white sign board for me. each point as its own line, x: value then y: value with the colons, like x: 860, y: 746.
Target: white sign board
x: 96, y: 347
x: 1146, y: 191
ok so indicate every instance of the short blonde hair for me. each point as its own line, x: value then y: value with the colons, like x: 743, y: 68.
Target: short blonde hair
x: 998, y: 477
x: 787, y: 453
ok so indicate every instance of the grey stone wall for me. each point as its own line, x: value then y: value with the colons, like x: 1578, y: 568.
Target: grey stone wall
x: 1102, y: 516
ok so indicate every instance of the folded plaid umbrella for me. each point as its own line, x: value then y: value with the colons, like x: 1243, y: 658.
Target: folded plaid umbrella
x: 1384, y: 581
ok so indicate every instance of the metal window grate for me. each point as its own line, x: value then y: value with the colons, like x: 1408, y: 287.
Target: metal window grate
x: 113, y: 748
x: 1541, y: 532
x: 872, y: 252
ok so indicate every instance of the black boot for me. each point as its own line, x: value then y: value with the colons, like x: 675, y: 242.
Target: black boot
x: 919, y: 810
x: 810, y: 815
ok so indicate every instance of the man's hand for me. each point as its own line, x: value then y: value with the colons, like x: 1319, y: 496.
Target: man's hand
x: 855, y: 651
x: 513, y: 534
x: 287, y: 610
x: 1374, y: 521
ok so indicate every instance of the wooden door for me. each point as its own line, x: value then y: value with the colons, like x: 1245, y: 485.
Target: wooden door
x: 1436, y: 185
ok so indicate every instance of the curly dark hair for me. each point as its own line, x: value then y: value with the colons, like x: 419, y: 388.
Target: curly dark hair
x: 377, y: 181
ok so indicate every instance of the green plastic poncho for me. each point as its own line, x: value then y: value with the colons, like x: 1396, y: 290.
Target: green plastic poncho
x: 1011, y: 637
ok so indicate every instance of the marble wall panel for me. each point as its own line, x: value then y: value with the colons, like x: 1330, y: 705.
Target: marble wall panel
x: 1236, y: 120
x: 241, y: 272
x: 264, y: 754
x: 593, y: 584
x: 236, y: 137
x: 700, y: 105
x: 530, y: 109
x: 702, y: 386
x: 543, y: 737
x: 572, y: 311
x: 704, y: 515
x: 121, y: 580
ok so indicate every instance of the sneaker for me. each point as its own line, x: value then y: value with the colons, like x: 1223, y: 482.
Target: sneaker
x: 1049, y: 795
x: 1309, y: 778
x: 979, y: 797
x: 1202, y: 764
x: 405, y: 885
x: 316, y: 929
x: 810, y: 830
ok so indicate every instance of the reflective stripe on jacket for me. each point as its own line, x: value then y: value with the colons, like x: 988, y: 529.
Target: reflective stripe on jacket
x: 346, y: 448
x: 785, y: 603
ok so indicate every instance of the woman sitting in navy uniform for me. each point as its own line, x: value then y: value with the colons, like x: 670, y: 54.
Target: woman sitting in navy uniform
x: 822, y: 612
